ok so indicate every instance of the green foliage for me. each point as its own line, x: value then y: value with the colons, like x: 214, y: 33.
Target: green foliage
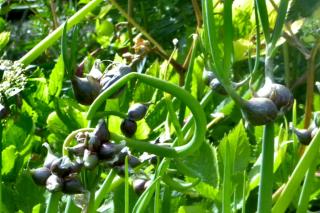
x: 224, y: 172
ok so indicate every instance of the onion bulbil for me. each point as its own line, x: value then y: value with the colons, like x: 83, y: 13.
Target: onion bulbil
x: 259, y: 111
x: 279, y: 94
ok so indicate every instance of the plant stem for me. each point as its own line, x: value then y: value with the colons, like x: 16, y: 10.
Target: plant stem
x: 56, y: 34
x: 101, y: 193
x: 70, y: 206
x: 310, y: 84
x: 306, y: 188
x: 197, y: 12
x: 266, y: 170
x: 287, y: 73
x: 126, y: 186
x: 297, y: 175
x: 227, y: 187
x: 53, y: 203
x: 91, y: 206
x: 184, y: 96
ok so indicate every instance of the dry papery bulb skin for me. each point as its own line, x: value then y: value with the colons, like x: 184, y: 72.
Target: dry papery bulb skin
x: 279, y: 94
x: 259, y: 111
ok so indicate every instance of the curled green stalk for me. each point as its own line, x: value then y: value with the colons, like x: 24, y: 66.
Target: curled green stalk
x: 177, y: 185
x: 185, y: 97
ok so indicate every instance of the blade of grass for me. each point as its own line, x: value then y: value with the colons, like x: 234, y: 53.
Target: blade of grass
x: 294, y: 181
x: 145, y: 198
x: 211, y: 40
x: 64, y: 51
x: 306, y: 188
x: 74, y: 49
x: 101, y: 193
x: 263, y: 14
x: 226, y: 187
x: 126, y: 186
x: 157, y: 192
x: 228, y: 36
x: 266, y: 170
x: 71, y: 207
x: 279, y: 22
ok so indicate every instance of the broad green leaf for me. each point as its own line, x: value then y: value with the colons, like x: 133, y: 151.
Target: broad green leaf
x: 16, y: 131
x: 104, y: 28
x: 56, y: 126
x: 27, y: 193
x: 4, y: 39
x: 8, y: 158
x: 239, y: 148
x: 70, y: 113
x: 201, y: 164
x: 7, y: 202
x: 56, y: 78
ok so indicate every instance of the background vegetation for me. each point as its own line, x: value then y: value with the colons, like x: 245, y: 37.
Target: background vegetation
x: 169, y: 40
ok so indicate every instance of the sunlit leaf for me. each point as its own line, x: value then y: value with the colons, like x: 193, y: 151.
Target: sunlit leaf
x: 4, y: 39
x: 8, y: 157
x: 56, y: 78
x: 201, y: 164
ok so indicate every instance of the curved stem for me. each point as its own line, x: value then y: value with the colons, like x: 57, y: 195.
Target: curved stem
x: 126, y: 186
x: 53, y: 203
x: 56, y: 34
x: 179, y: 186
x: 187, y: 98
x: 70, y: 137
x: 266, y: 170
x: 91, y: 207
